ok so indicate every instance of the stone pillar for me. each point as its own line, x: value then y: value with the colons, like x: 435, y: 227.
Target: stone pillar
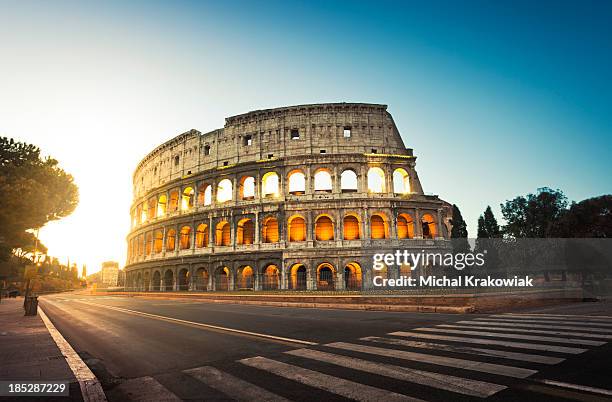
x: 362, y: 179
x: 176, y: 279
x: 211, y: 232
x: 418, y: 225
x: 336, y: 181
x: 365, y: 222
x: 440, y: 234
x: 393, y: 224
x: 388, y: 180
x: 309, y: 226
x: 257, y: 228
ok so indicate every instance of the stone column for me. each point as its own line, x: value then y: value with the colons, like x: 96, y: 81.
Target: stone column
x: 440, y: 234
x: 211, y: 232
x: 418, y: 225
x: 257, y: 228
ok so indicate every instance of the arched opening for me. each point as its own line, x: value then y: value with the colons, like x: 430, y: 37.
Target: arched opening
x: 224, y: 191
x: 222, y: 235
x: 379, y: 227
x: 148, y: 243
x: 202, y: 235
x: 429, y: 226
x: 156, y: 281
x: 376, y: 180
x: 247, y: 188
x: 348, y: 181
x: 401, y: 181
x: 297, y: 182
x: 351, y: 228
x: 187, y: 199
x: 297, y: 228
x: 405, y: 227
x: 246, y: 231
x: 245, y: 278
x: 325, y: 277
x: 158, y: 241
x: 324, y: 228
x: 270, y: 230
x: 185, y: 242
x: 222, y: 278
x: 270, y: 278
x: 383, y: 273
x: 147, y: 281
x: 183, y: 279
x: 140, y: 245
x: 205, y: 194
x: 162, y: 202
x: 152, y: 208
x: 201, y: 279
x: 170, y: 240
x: 174, y: 199
x: 298, y: 276
x: 169, y: 281
x: 352, y: 276
x: 323, y: 181
x: 139, y: 283
x: 270, y: 185
x: 143, y: 212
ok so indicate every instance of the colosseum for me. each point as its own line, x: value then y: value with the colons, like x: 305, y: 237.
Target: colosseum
x: 292, y: 198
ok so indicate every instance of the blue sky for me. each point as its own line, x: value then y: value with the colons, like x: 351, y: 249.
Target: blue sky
x: 496, y: 98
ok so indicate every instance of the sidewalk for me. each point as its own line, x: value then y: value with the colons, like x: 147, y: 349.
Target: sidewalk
x: 29, y: 353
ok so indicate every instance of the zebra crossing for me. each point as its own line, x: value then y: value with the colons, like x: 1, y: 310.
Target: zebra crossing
x: 470, y: 359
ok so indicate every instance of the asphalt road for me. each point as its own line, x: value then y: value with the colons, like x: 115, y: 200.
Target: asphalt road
x: 148, y: 349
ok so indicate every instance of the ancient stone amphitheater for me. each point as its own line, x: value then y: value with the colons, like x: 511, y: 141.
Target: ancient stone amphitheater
x: 296, y: 198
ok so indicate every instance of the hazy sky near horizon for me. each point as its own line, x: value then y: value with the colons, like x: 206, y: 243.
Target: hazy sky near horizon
x: 496, y: 98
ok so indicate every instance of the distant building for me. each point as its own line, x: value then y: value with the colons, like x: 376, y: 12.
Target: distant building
x: 110, y: 273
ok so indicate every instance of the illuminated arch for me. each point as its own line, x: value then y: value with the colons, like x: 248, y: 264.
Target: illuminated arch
x: 158, y: 242
x: 173, y: 203
x: 298, y: 277
x: 202, y: 235
x: 270, y: 277
x: 169, y: 280
x: 185, y: 241
x: 148, y: 243
x: 223, y: 234
x: 429, y: 226
x: 205, y: 194
x: 379, y: 227
x: 376, y: 180
x: 162, y: 203
x: 401, y: 181
x: 247, y: 188
x: 324, y: 228
x: 352, y: 276
x: 245, y: 278
x: 152, y: 208
x: 156, y: 281
x: 270, y: 230
x: 270, y: 185
x: 351, y: 228
x: 142, y: 214
x: 323, y: 181
x: 224, y: 191
x: 183, y: 279
x: 201, y: 279
x: 405, y: 226
x: 222, y: 278
x: 140, y: 245
x: 297, y: 182
x: 246, y: 231
x: 348, y: 181
x: 187, y: 199
x: 170, y: 240
x: 297, y: 228
x: 325, y: 276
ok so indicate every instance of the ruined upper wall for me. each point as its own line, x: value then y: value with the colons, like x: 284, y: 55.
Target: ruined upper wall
x: 267, y: 134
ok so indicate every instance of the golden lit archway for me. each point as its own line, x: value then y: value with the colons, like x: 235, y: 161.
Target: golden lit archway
x: 158, y: 242
x: 246, y: 231
x: 405, y: 226
x: 297, y: 277
x: 429, y: 226
x: 170, y: 240
x: 351, y: 228
x: 379, y: 227
x: 202, y: 235
x: 162, y: 202
x: 270, y: 230
x: 376, y: 180
x: 297, y: 228
x: 173, y: 204
x: 352, y: 276
x: 326, y: 276
x: 270, y: 185
x: 188, y: 198
x: 222, y: 234
x: 401, y: 181
x: 270, y: 277
x: 205, y: 194
x: 324, y: 228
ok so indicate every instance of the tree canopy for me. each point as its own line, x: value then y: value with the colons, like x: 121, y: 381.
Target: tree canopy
x: 35, y: 190
x: 533, y: 215
x: 588, y: 218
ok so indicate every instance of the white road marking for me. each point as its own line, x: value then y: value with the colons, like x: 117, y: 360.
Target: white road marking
x: 146, y: 389
x: 202, y: 325
x: 508, y: 371
x: 492, y: 321
x: 594, y: 390
x: 563, y: 316
x: 233, y: 387
x: 336, y: 385
x: 529, y: 331
x: 553, y: 322
x: 514, y: 336
x: 435, y: 380
x: 467, y: 350
x: 482, y: 341
x: 90, y: 385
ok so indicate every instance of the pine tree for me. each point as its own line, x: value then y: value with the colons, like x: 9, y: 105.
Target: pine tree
x: 488, y: 227
x: 459, y: 232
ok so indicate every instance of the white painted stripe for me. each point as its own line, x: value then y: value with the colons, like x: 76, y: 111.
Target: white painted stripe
x: 336, y: 385
x: 435, y: 380
x: 564, y: 316
x: 492, y: 321
x: 508, y: 371
x: 594, y: 390
x: 515, y: 336
x: 542, y: 321
x: 233, y: 387
x: 146, y: 389
x: 91, y: 389
x: 202, y: 325
x: 467, y: 350
x: 529, y: 331
x: 482, y: 341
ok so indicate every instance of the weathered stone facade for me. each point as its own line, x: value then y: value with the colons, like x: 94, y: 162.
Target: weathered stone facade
x: 297, y: 197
